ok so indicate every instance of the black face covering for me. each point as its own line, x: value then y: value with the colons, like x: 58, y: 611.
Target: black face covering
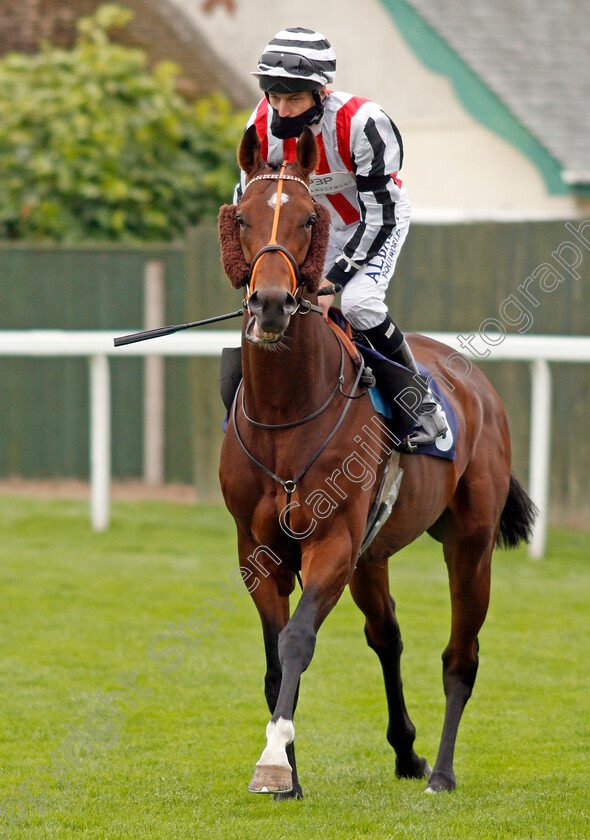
x: 285, y: 127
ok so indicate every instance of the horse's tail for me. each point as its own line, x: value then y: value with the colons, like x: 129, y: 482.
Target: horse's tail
x: 517, y: 518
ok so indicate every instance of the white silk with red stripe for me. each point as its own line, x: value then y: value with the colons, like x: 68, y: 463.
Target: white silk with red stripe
x: 355, y: 136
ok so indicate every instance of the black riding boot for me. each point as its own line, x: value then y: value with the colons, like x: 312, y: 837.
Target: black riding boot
x: 389, y: 340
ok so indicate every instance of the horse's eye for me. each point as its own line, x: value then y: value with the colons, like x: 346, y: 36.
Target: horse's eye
x: 240, y: 220
x: 310, y: 221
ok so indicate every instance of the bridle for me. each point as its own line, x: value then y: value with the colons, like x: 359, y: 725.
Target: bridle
x: 272, y: 245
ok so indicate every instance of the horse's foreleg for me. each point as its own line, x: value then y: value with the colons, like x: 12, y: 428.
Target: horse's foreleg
x: 469, y: 579
x: 296, y: 645
x: 369, y: 587
x: 270, y: 593
x: 272, y: 684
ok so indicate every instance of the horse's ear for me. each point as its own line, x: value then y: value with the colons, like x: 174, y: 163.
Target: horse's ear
x: 232, y: 256
x: 312, y: 268
x: 249, y: 151
x: 307, y: 152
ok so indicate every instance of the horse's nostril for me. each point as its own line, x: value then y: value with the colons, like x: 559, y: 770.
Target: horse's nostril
x: 290, y: 304
x: 254, y: 303
x: 270, y: 303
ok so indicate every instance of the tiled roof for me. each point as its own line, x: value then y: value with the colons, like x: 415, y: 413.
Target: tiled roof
x: 158, y: 27
x: 535, y: 56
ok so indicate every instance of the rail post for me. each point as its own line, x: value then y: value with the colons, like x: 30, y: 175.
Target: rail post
x: 100, y: 442
x: 154, y: 383
x: 540, y: 451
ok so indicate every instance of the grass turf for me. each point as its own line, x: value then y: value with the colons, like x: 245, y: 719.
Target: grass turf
x: 81, y: 608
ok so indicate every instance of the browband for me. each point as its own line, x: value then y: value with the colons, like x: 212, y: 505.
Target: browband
x: 276, y: 177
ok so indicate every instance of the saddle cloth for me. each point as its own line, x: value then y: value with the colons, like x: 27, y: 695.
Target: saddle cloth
x: 384, y: 404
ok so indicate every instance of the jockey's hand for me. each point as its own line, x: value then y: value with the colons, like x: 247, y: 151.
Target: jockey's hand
x: 325, y: 301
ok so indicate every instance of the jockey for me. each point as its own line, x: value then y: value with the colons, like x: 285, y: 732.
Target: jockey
x: 357, y: 179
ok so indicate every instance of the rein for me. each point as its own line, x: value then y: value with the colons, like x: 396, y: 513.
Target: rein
x: 290, y: 484
x: 320, y: 410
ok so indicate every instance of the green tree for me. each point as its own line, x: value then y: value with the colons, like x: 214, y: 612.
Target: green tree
x: 93, y: 145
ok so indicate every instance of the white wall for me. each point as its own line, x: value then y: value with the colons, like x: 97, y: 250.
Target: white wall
x: 453, y: 167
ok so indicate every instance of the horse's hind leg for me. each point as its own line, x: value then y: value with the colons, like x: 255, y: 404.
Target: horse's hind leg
x: 370, y: 589
x: 468, y: 559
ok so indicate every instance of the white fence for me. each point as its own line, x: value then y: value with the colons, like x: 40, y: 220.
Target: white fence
x: 98, y: 346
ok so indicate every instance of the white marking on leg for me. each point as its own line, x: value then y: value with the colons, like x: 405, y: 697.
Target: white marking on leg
x: 278, y: 735
x: 272, y: 201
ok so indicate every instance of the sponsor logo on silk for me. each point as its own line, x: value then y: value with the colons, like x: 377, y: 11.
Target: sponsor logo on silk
x: 331, y: 183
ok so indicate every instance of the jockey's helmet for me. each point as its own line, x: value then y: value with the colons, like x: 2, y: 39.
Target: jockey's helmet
x: 296, y: 60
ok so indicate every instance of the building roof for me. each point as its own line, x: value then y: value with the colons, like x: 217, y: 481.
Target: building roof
x: 535, y: 56
x: 158, y: 26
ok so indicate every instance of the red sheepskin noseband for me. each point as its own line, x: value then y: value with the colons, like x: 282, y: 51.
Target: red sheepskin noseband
x: 234, y: 262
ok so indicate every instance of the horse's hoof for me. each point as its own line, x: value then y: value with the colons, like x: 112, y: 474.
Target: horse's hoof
x: 271, y: 778
x: 419, y: 769
x: 439, y: 783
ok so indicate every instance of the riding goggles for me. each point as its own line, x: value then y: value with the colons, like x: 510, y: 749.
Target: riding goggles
x: 299, y: 65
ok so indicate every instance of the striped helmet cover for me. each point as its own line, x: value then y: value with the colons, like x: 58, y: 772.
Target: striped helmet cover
x: 317, y: 58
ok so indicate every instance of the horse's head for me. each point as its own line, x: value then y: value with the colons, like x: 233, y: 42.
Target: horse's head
x: 275, y: 239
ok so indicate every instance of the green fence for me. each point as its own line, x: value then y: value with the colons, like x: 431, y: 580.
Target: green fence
x: 44, y: 402
x: 449, y: 277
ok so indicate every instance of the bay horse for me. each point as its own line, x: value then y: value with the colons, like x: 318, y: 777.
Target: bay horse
x: 295, y: 423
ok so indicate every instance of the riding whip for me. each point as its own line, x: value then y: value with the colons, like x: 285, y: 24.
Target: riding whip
x: 144, y: 335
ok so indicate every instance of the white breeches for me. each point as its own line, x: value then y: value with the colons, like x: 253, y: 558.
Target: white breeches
x: 363, y: 297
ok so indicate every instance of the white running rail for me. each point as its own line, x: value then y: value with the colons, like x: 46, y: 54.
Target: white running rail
x: 97, y: 347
